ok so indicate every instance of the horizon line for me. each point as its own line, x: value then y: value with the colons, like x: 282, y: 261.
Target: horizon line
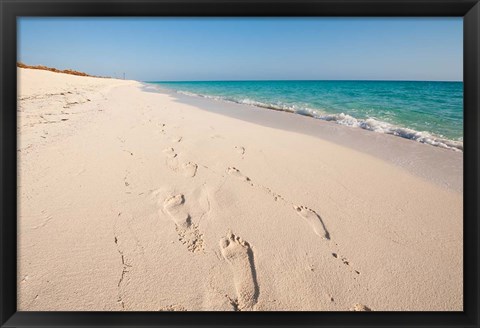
x: 300, y: 80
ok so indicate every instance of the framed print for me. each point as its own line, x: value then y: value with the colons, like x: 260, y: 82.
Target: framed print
x: 228, y: 163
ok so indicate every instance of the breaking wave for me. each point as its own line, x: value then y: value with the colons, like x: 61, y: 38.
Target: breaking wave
x: 371, y: 124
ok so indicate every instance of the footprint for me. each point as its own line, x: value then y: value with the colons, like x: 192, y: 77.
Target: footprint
x: 240, y: 150
x: 176, y: 139
x: 172, y: 161
x: 360, y: 307
x: 174, y: 207
x: 240, y: 257
x: 188, y: 233
x: 190, y: 169
x: 237, y: 174
x: 314, y: 220
x: 170, y: 152
x: 174, y: 307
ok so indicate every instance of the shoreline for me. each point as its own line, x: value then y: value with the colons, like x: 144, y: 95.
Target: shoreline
x: 370, y: 123
x: 418, y: 158
x: 143, y: 201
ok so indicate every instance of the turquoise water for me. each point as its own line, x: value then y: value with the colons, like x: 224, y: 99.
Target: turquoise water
x: 428, y: 112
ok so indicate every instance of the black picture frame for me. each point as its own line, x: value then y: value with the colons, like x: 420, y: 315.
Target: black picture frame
x: 10, y: 10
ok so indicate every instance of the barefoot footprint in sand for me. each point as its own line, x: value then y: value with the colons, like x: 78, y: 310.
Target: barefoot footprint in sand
x: 240, y: 257
x: 237, y: 174
x: 313, y: 220
x: 171, y: 161
x: 170, y: 152
x: 360, y: 307
x: 174, y: 207
x: 190, y: 169
x: 187, y: 232
x: 240, y: 150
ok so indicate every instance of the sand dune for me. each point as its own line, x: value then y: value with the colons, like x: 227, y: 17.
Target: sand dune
x: 138, y: 201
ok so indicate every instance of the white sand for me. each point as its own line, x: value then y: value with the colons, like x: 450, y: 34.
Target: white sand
x: 136, y: 201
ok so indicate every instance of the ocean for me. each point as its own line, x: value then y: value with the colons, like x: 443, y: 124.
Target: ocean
x: 427, y: 112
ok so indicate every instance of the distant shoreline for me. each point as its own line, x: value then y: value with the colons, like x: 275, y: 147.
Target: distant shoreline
x: 340, y: 80
x: 233, y: 91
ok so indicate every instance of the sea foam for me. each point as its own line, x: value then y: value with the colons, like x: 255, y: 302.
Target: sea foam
x: 371, y: 124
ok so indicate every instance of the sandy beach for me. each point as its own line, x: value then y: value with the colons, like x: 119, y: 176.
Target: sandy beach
x: 133, y: 199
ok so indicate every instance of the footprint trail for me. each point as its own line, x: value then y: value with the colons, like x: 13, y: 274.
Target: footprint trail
x: 309, y: 215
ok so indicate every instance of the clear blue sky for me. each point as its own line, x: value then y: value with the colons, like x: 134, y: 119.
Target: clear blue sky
x: 156, y: 49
